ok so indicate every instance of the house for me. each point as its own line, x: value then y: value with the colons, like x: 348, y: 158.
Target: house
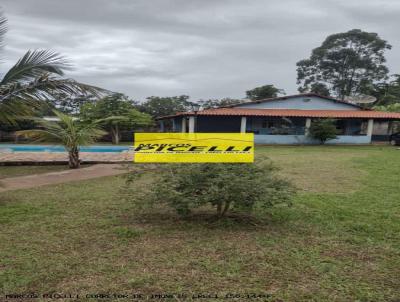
x: 286, y: 119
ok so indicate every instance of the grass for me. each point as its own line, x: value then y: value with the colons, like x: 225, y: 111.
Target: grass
x: 339, y: 242
x: 14, y: 171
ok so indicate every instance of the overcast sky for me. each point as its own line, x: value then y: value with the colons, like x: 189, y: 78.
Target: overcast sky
x: 202, y: 48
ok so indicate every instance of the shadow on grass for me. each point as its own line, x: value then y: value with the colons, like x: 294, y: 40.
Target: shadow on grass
x: 168, y: 220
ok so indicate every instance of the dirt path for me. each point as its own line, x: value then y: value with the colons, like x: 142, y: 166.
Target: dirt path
x: 36, y: 180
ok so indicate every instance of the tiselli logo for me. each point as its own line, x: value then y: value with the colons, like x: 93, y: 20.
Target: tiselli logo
x: 194, y: 147
x: 183, y: 148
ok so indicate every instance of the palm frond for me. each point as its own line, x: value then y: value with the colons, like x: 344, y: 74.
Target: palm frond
x: 36, y: 77
x: 3, y: 27
x: 46, y: 87
x: 34, y: 64
x: 39, y: 135
x: 13, y: 110
x: 68, y: 131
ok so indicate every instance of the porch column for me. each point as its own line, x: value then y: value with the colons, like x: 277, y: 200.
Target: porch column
x: 183, y: 130
x: 162, y: 128
x: 370, y: 127
x: 243, y: 124
x: 173, y: 125
x: 307, y: 127
x: 191, y: 124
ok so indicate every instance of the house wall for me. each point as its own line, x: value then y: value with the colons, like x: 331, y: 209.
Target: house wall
x: 301, y: 103
x: 381, y: 128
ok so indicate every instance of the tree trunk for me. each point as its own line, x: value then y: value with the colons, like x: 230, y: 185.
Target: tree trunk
x: 219, y: 209
x: 221, y: 212
x: 115, y: 135
x: 226, y: 208
x: 74, y: 162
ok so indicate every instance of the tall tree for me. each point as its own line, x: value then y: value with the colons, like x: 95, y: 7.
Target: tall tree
x: 162, y: 106
x: 347, y: 63
x: 116, y: 113
x: 264, y: 92
x: 35, y: 77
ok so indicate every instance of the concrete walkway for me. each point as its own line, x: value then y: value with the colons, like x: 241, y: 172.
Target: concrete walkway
x: 62, y: 157
x: 36, y: 180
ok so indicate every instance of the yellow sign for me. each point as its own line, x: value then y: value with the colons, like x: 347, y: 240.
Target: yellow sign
x: 194, y: 147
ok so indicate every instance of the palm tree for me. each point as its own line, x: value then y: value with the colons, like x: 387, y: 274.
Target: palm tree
x: 35, y: 77
x: 68, y: 131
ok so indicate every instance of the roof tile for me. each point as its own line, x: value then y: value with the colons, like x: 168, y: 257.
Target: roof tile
x: 295, y: 113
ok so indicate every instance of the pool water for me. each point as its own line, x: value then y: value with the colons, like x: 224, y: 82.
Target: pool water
x: 57, y: 148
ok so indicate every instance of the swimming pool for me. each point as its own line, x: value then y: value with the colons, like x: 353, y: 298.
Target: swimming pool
x: 57, y: 148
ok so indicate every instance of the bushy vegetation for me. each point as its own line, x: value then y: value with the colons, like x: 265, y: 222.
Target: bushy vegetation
x: 323, y: 130
x: 234, y: 186
x: 395, y: 107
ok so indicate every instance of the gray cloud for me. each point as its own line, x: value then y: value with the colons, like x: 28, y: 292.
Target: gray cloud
x: 206, y: 49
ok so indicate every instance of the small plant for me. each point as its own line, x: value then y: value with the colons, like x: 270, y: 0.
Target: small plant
x: 69, y: 132
x: 323, y: 130
x: 225, y: 187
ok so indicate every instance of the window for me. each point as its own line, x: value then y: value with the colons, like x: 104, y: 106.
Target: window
x: 267, y: 124
x: 264, y: 124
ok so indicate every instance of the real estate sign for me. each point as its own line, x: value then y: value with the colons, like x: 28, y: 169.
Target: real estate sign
x: 194, y: 147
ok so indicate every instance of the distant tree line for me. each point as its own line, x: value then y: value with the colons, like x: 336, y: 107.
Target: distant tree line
x: 120, y: 114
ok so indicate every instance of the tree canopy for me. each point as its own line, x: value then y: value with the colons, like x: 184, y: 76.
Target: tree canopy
x: 215, y: 103
x: 264, y: 92
x: 320, y: 89
x: 161, y: 106
x: 71, y: 104
x: 389, y: 108
x: 388, y: 92
x: 116, y: 112
x: 346, y: 63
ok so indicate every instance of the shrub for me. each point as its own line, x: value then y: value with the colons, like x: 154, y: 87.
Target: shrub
x: 323, y: 130
x: 241, y: 187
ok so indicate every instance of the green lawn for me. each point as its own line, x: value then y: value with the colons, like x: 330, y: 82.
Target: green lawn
x: 339, y: 242
x: 14, y: 171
